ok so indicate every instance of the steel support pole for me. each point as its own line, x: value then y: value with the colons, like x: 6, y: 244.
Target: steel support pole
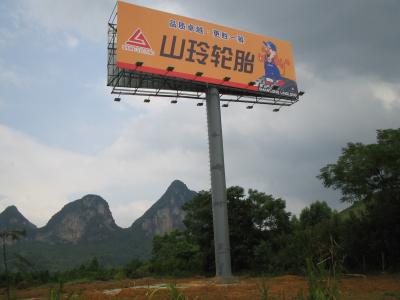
x: 218, y: 187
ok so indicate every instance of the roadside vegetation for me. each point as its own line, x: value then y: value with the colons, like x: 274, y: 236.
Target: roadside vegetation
x: 321, y: 244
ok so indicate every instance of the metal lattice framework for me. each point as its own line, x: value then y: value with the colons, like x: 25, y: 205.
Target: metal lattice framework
x: 127, y: 82
x: 136, y: 82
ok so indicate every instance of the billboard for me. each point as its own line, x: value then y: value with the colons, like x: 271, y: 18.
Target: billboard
x: 174, y: 46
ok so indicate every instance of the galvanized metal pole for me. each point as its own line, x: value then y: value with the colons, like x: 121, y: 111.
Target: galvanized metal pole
x: 218, y: 187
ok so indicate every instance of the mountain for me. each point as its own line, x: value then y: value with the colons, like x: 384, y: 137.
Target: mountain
x: 357, y: 208
x: 166, y: 214
x: 87, y: 219
x: 11, y: 219
x: 85, y: 228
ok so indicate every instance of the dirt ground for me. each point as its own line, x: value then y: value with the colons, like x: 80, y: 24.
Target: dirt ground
x: 382, y: 287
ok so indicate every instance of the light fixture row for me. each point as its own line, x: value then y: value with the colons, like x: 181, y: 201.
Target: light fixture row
x: 175, y: 101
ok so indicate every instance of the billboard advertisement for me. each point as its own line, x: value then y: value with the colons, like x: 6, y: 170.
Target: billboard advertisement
x: 175, y: 46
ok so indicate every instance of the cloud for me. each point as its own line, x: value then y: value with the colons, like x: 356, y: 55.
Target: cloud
x: 6, y: 36
x: 169, y: 6
x: 340, y: 38
x: 347, y: 64
x: 12, y: 76
x: 387, y: 93
x: 336, y: 39
x: 88, y: 19
x: 138, y: 165
x: 278, y: 153
x: 72, y: 41
x: 35, y: 177
x: 126, y: 211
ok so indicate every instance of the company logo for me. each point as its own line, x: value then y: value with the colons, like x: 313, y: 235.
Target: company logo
x: 138, y: 43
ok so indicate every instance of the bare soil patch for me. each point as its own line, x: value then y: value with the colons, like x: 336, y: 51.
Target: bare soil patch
x: 382, y: 287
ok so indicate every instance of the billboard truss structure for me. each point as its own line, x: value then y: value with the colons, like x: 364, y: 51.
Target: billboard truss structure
x: 141, y: 71
x: 139, y: 83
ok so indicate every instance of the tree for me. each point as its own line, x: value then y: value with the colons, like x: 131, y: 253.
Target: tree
x: 242, y: 232
x: 252, y: 219
x: 5, y: 236
x: 315, y: 214
x: 174, y: 253
x: 132, y: 269
x: 199, y: 227
x: 268, y: 213
x: 367, y: 171
x: 371, y: 174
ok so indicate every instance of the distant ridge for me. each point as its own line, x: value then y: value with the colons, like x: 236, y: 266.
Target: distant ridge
x: 85, y: 228
x: 85, y: 219
x: 166, y: 214
x: 11, y: 218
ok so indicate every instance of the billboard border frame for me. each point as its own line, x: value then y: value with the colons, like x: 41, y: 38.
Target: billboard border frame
x: 175, y: 87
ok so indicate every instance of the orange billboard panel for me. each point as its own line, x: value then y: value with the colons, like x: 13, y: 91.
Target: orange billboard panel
x: 171, y: 45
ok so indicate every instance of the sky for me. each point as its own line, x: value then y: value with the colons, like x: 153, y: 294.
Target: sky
x: 62, y: 136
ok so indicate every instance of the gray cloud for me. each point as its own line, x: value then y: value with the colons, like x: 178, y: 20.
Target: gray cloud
x: 282, y: 153
x: 335, y: 38
x: 346, y: 54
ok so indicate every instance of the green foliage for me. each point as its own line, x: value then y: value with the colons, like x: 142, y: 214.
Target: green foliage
x: 173, y: 292
x: 199, y: 227
x: 56, y: 293
x: 5, y: 236
x: 321, y: 284
x: 265, y: 238
x: 92, y: 270
x: 391, y: 295
x: 271, y: 227
x: 364, y: 171
x: 315, y: 214
x: 174, y: 254
x: 264, y: 291
x: 371, y: 174
x: 134, y: 269
x: 257, y: 223
x: 268, y: 214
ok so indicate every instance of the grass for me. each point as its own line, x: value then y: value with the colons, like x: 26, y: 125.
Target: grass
x: 374, y: 287
x: 391, y: 295
x: 173, y: 293
x: 322, y: 285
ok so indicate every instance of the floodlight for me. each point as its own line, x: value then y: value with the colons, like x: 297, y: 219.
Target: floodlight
x: 147, y: 100
x: 170, y: 69
x: 174, y: 101
x: 225, y: 105
x: 198, y: 74
x: 301, y: 93
x: 249, y: 107
x: 117, y: 99
x: 275, y: 110
x: 139, y: 63
x: 200, y: 104
x: 227, y: 78
x: 252, y: 83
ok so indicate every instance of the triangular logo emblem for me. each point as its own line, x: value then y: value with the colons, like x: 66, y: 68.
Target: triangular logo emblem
x: 138, y: 39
